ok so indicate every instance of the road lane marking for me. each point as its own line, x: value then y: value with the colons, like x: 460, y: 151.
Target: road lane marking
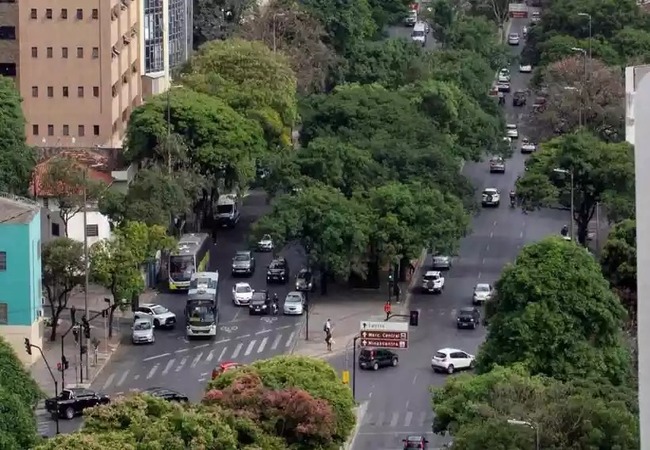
x: 196, y: 360
x: 415, y: 378
x: 249, y: 349
x: 521, y: 235
x: 483, y: 261
x: 408, y: 418
x: 152, y: 372
x: 479, y: 276
x: 201, y: 346
x: 380, y: 420
x: 169, y: 365
x: 235, y: 354
x: 284, y: 327
x: 495, y: 223
x: 243, y: 336
x: 407, y: 405
x: 291, y: 336
x: 122, y: 379
x: 394, y: 419
x: 222, y: 341
x: 422, y: 418
x: 223, y: 352
x: 182, y: 364
x: 487, y: 248
x: 205, y: 374
x: 491, y: 234
x: 210, y: 356
x: 151, y: 358
x: 262, y: 345
x: 109, y: 380
x: 276, y: 342
x: 263, y: 332
x: 182, y: 350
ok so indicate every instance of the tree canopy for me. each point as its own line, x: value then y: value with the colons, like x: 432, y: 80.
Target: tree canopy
x: 555, y: 314
x: 618, y: 260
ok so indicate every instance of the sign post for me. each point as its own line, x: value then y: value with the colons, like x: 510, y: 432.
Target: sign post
x: 384, y: 334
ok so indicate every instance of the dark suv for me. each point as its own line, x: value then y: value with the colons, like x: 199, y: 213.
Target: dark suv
x: 377, y: 358
x: 260, y: 303
x: 519, y: 98
x: 305, y: 281
x: 468, y: 318
x: 278, y: 271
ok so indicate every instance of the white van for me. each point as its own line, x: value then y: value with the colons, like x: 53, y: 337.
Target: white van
x: 419, y: 33
x: 228, y: 210
x: 411, y: 19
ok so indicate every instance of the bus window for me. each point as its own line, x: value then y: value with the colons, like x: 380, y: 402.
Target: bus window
x: 181, y: 268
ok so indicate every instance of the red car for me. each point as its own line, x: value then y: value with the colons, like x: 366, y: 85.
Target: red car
x: 224, y: 367
x: 412, y: 442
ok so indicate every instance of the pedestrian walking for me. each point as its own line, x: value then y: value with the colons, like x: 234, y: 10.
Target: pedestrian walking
x: 327, y: 327
x: 387, y: 310
x: 328, y: 341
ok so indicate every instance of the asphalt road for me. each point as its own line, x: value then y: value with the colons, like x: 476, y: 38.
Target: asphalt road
x: 405, y: 33
x: 398, y: 398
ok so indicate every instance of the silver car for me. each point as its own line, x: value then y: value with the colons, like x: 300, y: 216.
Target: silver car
x: 482, y: 293
x: 142, y: 332
x: 294, y: 303
x: 513, y: 39
x: 441, y: 262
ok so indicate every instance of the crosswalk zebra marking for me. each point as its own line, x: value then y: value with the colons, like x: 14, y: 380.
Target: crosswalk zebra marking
x: 423, y: 417
x: 408, y: 418
x: 262, y: 345
x: 169, y: 365
x: 394, y: 419
x: 277, y: 340
x: 122, y: 379
x: 290, y: 340
x: 223, y: 352
x: 249, y: 349
x: 210, y: 356
x: 153, y: 370
x: 196, y: 360
x: 235, y: 354
x: 109, y: 380
x: 182, y: 364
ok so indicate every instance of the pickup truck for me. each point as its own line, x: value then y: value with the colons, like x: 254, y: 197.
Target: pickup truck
x: 71, y: 402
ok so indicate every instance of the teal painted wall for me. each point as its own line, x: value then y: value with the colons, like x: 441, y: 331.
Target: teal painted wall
x: 20, y: 284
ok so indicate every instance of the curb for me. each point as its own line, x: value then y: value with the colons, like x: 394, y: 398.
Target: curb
x: 360, y: 414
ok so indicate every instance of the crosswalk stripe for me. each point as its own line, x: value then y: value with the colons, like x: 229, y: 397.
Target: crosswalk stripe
x: 249, y: 349
x: 235, y: 354
x: 408, y: 418
x: 276, y: 342
x: 196, y: 360
x: 423, y: 417
x: 122, y: 378
x: 210, y: 356
x: 182, y: 364
x: 152, y: 372
x: 169, y: 365
x: 394, y: 419
x: 262, y: 345
x: 223, y: 352
x: 380, y: 419
x: 109, y: 380
x: 293, y: 333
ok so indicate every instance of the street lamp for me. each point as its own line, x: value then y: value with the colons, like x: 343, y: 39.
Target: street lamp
x: 275, y: 16
x: 523, y: 423
x: 570, y: 173
x: 584, y: 82
x: 584, y: 14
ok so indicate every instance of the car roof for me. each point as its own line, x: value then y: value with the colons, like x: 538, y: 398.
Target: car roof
x: 431, y: 273
x: 149, y: 305
x: 294, y: 293
x: 467, y: 309
x: 242, y: 284
x: 483, y: 285
x: 490, y: 189
x: 511, y: 125
x: 448, y: 350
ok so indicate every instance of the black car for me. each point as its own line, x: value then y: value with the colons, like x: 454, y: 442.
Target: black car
x: 415, y: 442
x: 71, y: 402
x: 260, y: 303
x: 519, y: 98
x: 305, y: 281
x: 278, y: 271
x: 468, y: 318
x: 166, y: 394
x: 377, y: 358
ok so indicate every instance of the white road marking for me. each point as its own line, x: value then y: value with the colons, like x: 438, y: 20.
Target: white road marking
x: 109, y: 380
x: 201, y: 346
x: 284, y: 327
x: 394, y: 419
x: 182, y: 364
x: 235, y: 354
x: 152, y: 372
x: 408, y: 418
x: 289, y: 341
x: 202, y: 379
x: 492, y: 234
x: 495, y: 223
x: 136, y: 377
x: 243, y: 336
x: 122, y: 379
x: 151, y: 358
x: 407, y: 405
x: 196, y: 360
x: 222, y: 341
x: 479, y: 276
x: 183, y: 350
x: 276, y: 342
x: 210, y: 356
x: 422, y: 418
x: 487, y: 248
x: 262, y: 332
x: 262, y: 345
x: 483, y: 261
x: 415, y: 378
x: 249, y: 349
x: 521, y: 235
x: 169, y: 365
x: 223, y: 352
x: 205, y: 374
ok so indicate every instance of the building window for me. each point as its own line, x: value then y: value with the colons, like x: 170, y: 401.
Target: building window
x: 49, y: 52
x: 34, y: 52
x: 65, y: 91
x: 50, y: 130
x: 81, y: 130
x: 80, y: 14
x: 55, y: 229
x: 95, y: 52
x: 80, y: 52
x: 34, y: 91
x: 35, y: 130
x: 64, y: 52
x: 64, y: 13
x: 3, y: 261
x: 50, y: 91
x: 8, y: 69
x: 96, y: 130
x: 66, y: 130
x: 80, y: 91
x: 33, y: 14
x: 95, y: 91
x: 48, y: 13
x: 95, y: 13
x: 92, y: 230
x: 4, y: 314
x: 8, y: 33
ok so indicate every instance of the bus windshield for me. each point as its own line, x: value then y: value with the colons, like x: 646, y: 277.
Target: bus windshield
x: 181, y: 268
x: 200, y: 312
x: 225, y: 209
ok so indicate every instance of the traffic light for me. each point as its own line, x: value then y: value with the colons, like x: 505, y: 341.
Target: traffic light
x: 28, y: 346
x: 414, y: 318
x: 75, y: 334
x: 65, y: 362
x: 86, y: 326
x: 73, y: 313
x: 83, y: 349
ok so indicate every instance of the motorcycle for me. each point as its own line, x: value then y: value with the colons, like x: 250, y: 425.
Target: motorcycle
x: 275, y: 309
x: 513, y: 202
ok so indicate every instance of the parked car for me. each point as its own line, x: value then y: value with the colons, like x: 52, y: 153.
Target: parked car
x: 142, y: 331
x: 377, y: 358
x: 72, y: 402
x: 504, y: 76
x: 525, y: 68
x: 161, y: 316
x: 527, y: 146
x: 415, y: 442
x: 468, y: 317
x: 512, y: 131
x: 451, y: 359
x: 166, y: 394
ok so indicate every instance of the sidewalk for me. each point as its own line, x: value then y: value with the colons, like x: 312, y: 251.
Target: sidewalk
x: 346, y: 308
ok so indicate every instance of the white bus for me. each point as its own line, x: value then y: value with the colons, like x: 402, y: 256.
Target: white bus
x: 202, y: 306
x: 192, y: 255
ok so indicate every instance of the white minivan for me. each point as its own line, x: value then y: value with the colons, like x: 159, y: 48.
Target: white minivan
x: 419, y: 34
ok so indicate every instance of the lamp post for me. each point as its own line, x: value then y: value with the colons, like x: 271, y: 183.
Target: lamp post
x: 583, y: 120
x: 28, y: 348
x: 584, y: 14
x: 570, y: 173
x: 523, y: 423
x: 274, y: 25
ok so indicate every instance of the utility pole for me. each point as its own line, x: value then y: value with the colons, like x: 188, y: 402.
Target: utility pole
x: 86, y: 259
x: 169, y: 129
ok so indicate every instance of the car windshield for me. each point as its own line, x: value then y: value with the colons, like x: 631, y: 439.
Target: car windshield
x: 293, y: 299
x: 466, y: 312
x: 243, y: 289
x: 418, y: 34
x: 482, y: 288
x: 258, y: 297
x: 159, y: 310
x: 181, y: 267
x: 65, y: 395
x: 266, y: 237
x: 145, y: 325
x: 225, y: 209
x: 490, y: 191
x: 440, y: 355
x: 514, y: 35
x: 511, y: 126
x: 242, y: 258
x: 304, y: 275
x: 431, y: 277
x: 276, y: 265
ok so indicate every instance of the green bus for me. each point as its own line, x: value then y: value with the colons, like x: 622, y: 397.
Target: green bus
x: 191, y: 255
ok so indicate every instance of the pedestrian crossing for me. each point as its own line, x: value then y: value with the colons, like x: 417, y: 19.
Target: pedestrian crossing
x: 43, y: 420
x: 201, y: 359
x: 398, y: 419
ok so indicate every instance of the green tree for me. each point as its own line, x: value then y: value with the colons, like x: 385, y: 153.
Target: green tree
x: 555, y: 314
x: 618, y: 261
x: 600, y: 171
x: 332, y: 230
x: 63, y: 270
x: 467, y: 69
x: 218, y: 19
x: 442, y: 16
x: 579, y: 414
x: 496, y: 10
x: 17, y: 160
x: 250, y: 78
x: 478, y: 35
x: 388, y: 12
x: 116, y: 440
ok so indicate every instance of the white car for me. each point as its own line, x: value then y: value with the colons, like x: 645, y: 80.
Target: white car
x: 451, y: 359
x: 513, y: 39
x: 159, y: 315
x: 504, y: 76
x: 433, y: 282
x: 294, y: 303
x: 527, y: 146
x: 525, y: 68
x: 482, y: 293
x: 142, y: 331
x: 265, y: 244
x: 490, y: 197
x: 512, y: 131
x: 241, y: 294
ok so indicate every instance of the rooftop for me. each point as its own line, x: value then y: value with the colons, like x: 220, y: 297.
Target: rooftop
x: 15, y: 209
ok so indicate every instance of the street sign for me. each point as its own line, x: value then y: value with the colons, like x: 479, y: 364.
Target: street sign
x: 384, y: 334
